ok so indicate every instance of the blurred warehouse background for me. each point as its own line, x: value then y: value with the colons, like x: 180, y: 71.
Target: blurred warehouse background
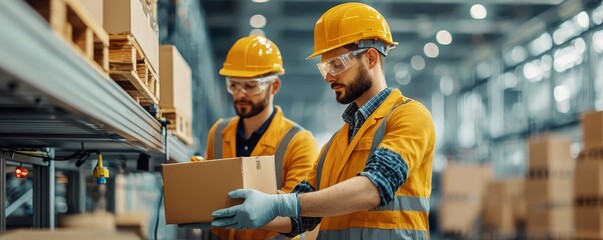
x: 513, y: 87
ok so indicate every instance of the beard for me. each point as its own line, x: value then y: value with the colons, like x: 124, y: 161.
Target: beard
x: 253, y: 108
x: 356, y: 88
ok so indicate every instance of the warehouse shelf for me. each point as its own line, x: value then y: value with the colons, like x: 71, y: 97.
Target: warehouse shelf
x: 51, y: 97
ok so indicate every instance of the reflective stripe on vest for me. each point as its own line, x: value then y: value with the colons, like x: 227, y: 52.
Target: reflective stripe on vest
x: 405, y: 203
x: 321, y: 161
x: 279, y: 154
x: 218, y: 141
x: 372, y: 233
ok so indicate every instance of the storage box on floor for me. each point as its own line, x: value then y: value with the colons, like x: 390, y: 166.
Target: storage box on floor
x: 504, y: 207
x: 176, y: 100
x: 193, y: 190
x: 588, y: 197
x: 549, y: 187
x: 463, y: 188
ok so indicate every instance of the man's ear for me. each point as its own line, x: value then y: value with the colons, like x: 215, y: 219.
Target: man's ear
x: 373, y: 57
x: 276, y: 85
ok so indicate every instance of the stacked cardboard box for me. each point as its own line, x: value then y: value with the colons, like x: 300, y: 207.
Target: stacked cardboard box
x: 588, y: 198
x: 463, y: 188
x: 176, y: 99
x: 549, y: 187
x: 504, y: 206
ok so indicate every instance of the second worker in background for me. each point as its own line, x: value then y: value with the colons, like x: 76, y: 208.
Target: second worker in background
x: 252, y: 68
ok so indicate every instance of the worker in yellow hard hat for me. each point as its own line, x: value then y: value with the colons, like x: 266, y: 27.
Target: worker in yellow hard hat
x: 252, y: 68
x: 373, y: 178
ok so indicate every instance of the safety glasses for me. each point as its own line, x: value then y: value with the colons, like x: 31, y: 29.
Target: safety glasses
x: 249, y: 86
x: 338, y: 64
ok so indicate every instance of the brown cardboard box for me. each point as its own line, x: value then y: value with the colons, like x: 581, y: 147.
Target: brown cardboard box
x: 499, y: 218
x: 135, y: 17
x: 546, y: 149
x: 466, y: 179
x: 193, y: 190
x: 589, y: 222
x: 176, y: 81
x: 550, y: 222
x: 67, y: 234
x: 592, y: 129
x: 589, y: 178
x: 134, y: 221
x: 97, y: 221
x: 503, y: 205
x: 459, y: 216
x: 554, y: 191
x: 95, y: 8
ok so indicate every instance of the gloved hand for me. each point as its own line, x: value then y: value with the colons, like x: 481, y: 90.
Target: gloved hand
x: 258, y: 209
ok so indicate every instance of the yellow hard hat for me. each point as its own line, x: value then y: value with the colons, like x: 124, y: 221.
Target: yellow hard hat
x: 350, y: 23
x: 252, y: 56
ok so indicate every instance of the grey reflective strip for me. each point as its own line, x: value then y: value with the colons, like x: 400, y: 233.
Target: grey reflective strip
x: 321, y: 161
x: 372, y: 233
x: 380, y: 133
x: 406, y: 203
x: 280, y: 153
x: 218, y: 141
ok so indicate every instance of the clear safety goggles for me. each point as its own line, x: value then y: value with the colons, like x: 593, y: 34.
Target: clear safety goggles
x: 249, y: 86
x: 338, y: 64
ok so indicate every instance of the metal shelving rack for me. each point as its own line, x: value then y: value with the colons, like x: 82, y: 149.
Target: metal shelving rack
x: 51, y: 98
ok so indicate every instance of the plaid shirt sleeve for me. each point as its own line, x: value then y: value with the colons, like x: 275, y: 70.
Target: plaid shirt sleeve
x: 388, y: 171
x: 302, y: 224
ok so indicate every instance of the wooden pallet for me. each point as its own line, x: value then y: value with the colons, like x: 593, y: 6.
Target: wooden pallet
x: 71, y: 20
x: 129, y: 67
x: 180, y: 125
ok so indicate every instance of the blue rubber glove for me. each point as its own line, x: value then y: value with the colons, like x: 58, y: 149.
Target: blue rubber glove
x: 258, y: 209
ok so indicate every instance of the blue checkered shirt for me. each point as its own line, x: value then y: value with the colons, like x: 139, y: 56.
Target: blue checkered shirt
x: 385, y: 168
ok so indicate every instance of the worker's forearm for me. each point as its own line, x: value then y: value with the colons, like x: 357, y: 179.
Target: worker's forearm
x: 279, y: 224
x: 353, y: 195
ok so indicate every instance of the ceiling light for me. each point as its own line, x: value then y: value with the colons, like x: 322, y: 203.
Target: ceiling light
x: 478, y: 11
x: 260, y: 1
x: 257, y: 32
x: 417, y: 62
x: 431, y: 50
x: 444, y: 37
x: 257, y: 21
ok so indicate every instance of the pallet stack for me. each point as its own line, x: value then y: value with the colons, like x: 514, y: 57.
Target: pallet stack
x: 71, y: 20
x: 176, y: 93
x: 463, y: 188
x: 134, y: 48
x: 549, y: 188
x: 588, y: 197
x: 504, y: 208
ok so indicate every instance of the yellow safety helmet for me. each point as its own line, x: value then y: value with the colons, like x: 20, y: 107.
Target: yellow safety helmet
x: 350, y: 23
x: 252, y: 56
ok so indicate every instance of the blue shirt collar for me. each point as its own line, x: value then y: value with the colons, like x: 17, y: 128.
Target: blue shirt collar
x: 352, y: 113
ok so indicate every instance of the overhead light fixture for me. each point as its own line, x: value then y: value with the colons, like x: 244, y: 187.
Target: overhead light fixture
x: 478, y: 11
x: 417, y: 62
x: 431, y: 50
x: 444, y: 37
x: 257, y: 32
x: 257, y: 21
x: 260, y: 1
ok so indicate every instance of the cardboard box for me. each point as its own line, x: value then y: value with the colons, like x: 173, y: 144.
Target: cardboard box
x: 499, y: 218
x: 95, y: 8
x: 504, y: 205
x: 66, y: 234
x: 545, y: 222
x: 466, y: 179
x: 98, y: 221
x: 176, y: 81
x: 546, y: 149
x: 554, y: 191
x: 588, y: 222
x: 193, y: 190
x: 459, y: 216
x: 134, y: 221
x: 592, y: 129
x: 589, y: 178
x: 135, y: 17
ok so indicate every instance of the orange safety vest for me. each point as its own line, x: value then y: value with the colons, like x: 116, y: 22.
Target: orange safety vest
x: 295, y: 153
x: 401, y: 125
